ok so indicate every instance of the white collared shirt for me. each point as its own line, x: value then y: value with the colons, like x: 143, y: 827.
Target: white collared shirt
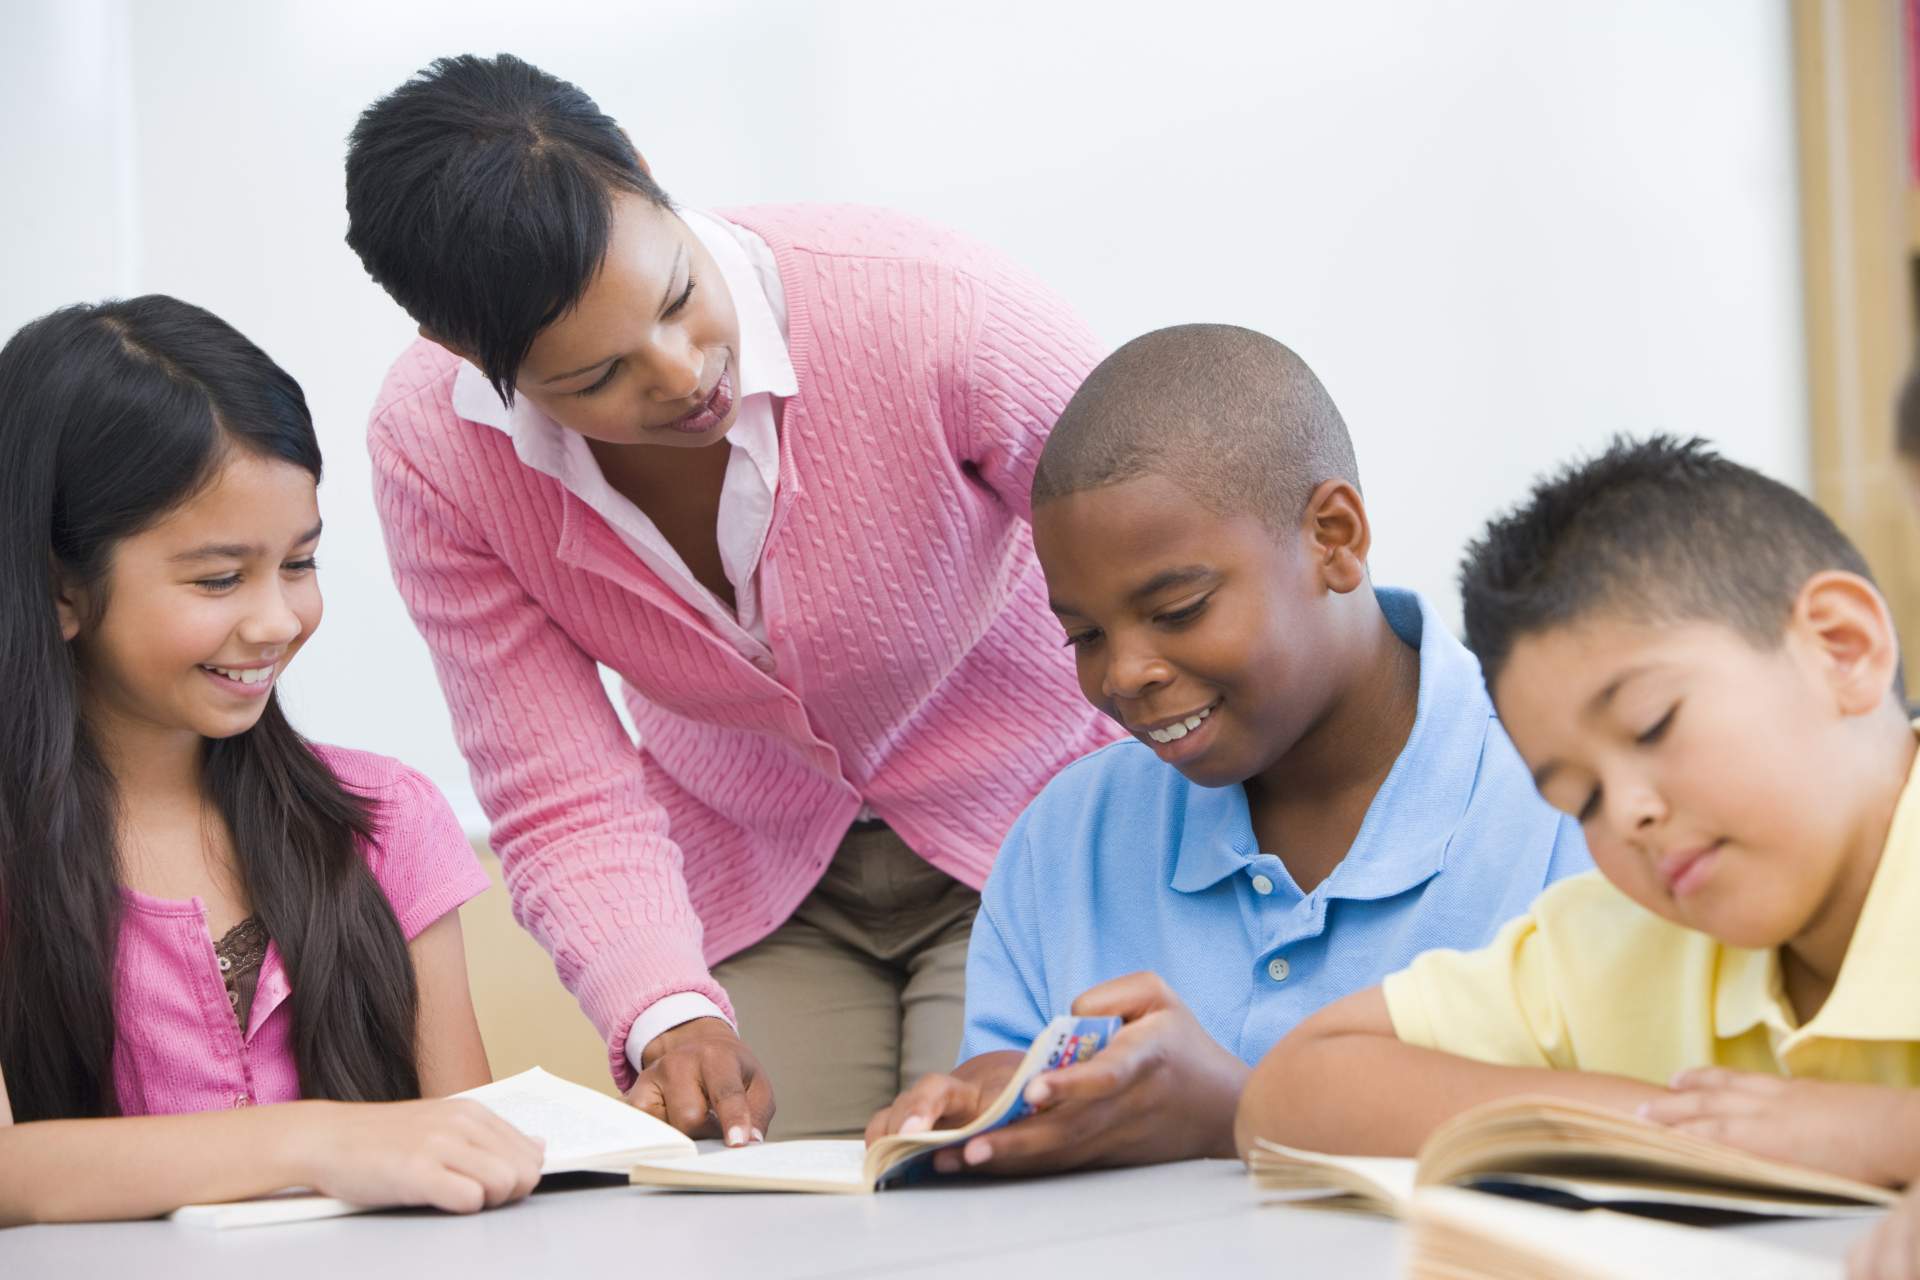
x: 763, y: 370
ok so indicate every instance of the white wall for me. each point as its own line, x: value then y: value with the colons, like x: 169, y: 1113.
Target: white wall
x: 1499, y: 230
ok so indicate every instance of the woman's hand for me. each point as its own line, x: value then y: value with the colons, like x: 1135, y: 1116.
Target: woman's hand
x: 450, y: 1153
x: 1867, y: 1132
x: 701, y: 1078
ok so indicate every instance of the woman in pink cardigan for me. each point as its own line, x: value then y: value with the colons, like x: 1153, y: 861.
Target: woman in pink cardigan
x: 770, y: 468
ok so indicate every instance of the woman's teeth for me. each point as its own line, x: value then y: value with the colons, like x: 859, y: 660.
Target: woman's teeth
x: 1180, y: 728
x: 257, y: 675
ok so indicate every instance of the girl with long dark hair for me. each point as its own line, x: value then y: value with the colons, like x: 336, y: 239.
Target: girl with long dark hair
x: 199, y: 910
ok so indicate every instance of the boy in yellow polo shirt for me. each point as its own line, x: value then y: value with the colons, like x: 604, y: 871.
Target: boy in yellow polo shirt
x: 1695, y: 662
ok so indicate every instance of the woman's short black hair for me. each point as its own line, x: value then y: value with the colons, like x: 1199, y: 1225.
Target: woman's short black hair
x: 1657, y: 530
x: 480, y: 196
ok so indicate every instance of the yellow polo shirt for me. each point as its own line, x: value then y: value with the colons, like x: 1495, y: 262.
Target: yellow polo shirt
x: 1589, y: 981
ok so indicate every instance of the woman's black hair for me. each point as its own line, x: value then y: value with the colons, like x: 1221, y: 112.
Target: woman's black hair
x: 111, y: 416
x: 480, y: 196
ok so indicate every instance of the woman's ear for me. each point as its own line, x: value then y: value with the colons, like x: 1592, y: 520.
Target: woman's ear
x: 1842, y: 623
x: 1337, y: 532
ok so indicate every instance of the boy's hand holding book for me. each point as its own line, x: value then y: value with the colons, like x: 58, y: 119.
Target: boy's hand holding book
x: 1870, y: 1133
x: 1162, y: 1090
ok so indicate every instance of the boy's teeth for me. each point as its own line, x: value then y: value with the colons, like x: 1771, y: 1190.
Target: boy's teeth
x: 1180, y: 728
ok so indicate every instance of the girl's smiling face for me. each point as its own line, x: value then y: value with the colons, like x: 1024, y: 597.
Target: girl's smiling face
x: 649, y: 354
x: 201, y: 612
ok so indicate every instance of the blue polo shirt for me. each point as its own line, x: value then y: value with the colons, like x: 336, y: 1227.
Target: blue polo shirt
x: 1121, y: 864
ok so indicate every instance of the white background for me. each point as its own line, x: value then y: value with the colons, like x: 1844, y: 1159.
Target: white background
x: 1500, y: 230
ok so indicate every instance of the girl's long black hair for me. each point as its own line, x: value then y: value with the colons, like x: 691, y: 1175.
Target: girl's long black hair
x: 111, y: 416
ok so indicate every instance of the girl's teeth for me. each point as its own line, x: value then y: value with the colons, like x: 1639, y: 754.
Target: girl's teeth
x: 259, y: 675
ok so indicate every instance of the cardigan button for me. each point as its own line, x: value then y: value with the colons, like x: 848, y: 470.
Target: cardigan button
x: 241, y: 1100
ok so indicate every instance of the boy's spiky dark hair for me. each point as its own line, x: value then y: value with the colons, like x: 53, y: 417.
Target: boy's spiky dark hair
x: 1657, y: 529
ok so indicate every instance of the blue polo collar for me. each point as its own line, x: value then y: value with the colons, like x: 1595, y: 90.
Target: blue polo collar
x: 1403, y: 839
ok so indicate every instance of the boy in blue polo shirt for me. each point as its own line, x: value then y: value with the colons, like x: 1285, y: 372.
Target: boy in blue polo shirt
x: 1316, y: 789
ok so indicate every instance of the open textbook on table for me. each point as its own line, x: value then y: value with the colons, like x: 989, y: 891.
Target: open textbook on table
x: 586, y: 1132
x: 853, y: 1168
x: 1572, y: 1154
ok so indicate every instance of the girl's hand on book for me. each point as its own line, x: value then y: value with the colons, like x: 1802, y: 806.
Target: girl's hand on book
x: 1162, y: 1090
x: 1867, y: 1132
x: 450, y: 1153
x: 1891, y: 1251
x: 701, y: 1078
x: 944, y: 1101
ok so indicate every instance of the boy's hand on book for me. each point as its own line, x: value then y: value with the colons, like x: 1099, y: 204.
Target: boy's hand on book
x: 446, y: 1152
x: 1867, y: 1132
x: 701, y: 1078
x: 946, y: 1101
x: 1891, y: 1251
x: 1161, y: 1090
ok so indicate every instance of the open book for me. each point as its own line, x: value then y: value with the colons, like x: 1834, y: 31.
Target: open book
x: 586, y: 1132
x: 1461, y: 1235
x: 1574, y: 1154
x: 852, y: 1167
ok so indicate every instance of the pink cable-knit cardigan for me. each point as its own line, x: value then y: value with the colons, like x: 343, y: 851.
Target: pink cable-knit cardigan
x: 917, y: 668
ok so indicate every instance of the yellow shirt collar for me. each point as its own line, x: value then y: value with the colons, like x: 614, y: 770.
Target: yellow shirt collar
x: 1876, y: 996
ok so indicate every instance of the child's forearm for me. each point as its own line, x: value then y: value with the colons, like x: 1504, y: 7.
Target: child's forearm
x: 141, y: 1166
x: 1362, y: 1093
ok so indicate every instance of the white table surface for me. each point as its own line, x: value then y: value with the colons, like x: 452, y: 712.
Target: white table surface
x: 1203, y: 1217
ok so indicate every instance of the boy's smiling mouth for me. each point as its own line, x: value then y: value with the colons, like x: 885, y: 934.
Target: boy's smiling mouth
x: 1177, y: 727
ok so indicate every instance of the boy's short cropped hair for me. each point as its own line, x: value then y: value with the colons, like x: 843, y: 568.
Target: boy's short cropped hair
x: 1234, y: 418
x: 1660, y: 529
x: 480, y: 196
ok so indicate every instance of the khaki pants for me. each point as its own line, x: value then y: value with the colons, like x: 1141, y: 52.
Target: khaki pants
x: 861, y: 992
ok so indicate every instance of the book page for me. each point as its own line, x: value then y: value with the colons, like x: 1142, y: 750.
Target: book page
x: 821, y: 1160
x: 578, y: 1123
x: 581, y: 1128
x: 1458, y: 1232
x: 1557, y: 1137
x: 1384, y: 1182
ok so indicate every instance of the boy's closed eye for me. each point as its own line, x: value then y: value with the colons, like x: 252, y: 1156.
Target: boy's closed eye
x: 1184, y: 613
x: 1650, y: 736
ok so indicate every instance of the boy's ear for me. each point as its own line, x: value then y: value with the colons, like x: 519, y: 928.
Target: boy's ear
x: 1337, y: 531
x: 1843, y: 623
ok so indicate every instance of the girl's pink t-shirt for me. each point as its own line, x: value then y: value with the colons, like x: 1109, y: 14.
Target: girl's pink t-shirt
x: 178, y: 1047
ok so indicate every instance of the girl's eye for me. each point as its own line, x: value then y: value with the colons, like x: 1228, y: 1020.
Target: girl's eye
x: 1659, y: 729
x: 599, y: 382
x: 227, y: 583
x: 1082, y: 639
x: 307, y: 565
x: 1186, y: 613
x: 681, y: 301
